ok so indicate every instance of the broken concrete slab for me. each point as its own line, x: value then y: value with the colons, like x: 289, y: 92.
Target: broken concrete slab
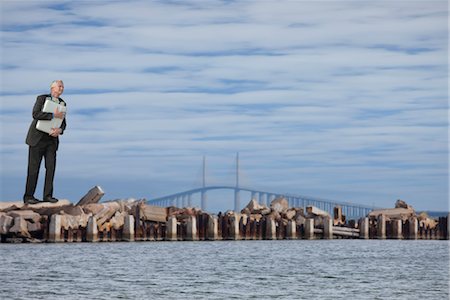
x: 280, y: 205
x: 20, y: 227
x: 26, y: 214
x: 5, y: 223
x: 93, y: 196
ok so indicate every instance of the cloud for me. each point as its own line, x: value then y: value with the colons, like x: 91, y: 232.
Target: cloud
x: 346, y: 100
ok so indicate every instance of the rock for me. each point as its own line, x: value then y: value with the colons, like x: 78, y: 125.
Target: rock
x: 280, y: 205
x: 300, y: 219
x: 265, y: 211
x: 425, y: 221
x: 157, y: 213
x: 20, y: 227
x: 16, y: 205
x: 255, y: 217
x: 26, y: 215
x: 290, y: 213
x: 5, y: 223
x: 93, y: 196
x: 254, y: 207
x: 34, y: 226
x: 402, y: 204
x: 313, y: 211
x: 246, y: 211
x: 393, y: 213
x: 275, y: 215
x: 93, y: 208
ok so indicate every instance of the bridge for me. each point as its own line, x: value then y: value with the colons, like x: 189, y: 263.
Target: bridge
x: 185, y: 198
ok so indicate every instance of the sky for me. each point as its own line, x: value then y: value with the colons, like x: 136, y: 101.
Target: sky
x: 342, y: 100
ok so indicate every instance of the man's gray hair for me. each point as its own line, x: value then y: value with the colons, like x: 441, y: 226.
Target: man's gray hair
x: 54, y: 82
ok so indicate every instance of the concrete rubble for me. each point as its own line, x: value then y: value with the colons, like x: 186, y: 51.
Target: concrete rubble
x: 134, y: 220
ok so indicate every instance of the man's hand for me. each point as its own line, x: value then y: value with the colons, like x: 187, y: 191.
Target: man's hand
x: 55, y: 132
x: 59, y: 114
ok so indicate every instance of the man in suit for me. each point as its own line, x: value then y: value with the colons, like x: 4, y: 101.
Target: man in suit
x: 44, y: 145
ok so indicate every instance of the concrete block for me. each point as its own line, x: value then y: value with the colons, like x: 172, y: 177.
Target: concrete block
x: 309, y: 229
x: 413, y: 226
x: 20, y: 227
x: 25, y: 214
x: 128, y: 228
x: 92, y: 230
x: 381, y: 227
x: 327, y: 228
x: 234, y: 227
x: 213, y: 228
x: 54, y: 233
x: 171, y: 231
x: 397, y: 229
x: 93, y: 196
x: 34, y: 226
x: 5, y: 223
x: 364, y: 229
x: 271, y: 229
x: 291, y: 230
x: 191, y: 230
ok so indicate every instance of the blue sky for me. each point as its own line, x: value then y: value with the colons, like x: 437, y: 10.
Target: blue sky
x: 346, y: 100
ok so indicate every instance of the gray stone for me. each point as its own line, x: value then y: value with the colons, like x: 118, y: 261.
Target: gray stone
x: 25, y: 214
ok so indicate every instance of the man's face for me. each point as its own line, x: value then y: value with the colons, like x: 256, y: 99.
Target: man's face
x: 57, y: 89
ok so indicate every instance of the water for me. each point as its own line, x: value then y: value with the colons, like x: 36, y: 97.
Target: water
x: 336, y: 269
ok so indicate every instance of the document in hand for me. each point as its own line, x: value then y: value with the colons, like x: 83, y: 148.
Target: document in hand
x: 46, y: 126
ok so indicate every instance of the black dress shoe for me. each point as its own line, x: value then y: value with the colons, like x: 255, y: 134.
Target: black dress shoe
x: 31, y: 200
x: 50, y: 199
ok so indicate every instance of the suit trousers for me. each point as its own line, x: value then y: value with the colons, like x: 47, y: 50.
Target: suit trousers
x: 46, y: 148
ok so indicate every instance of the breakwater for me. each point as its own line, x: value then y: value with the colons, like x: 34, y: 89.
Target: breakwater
x: 134, y: 220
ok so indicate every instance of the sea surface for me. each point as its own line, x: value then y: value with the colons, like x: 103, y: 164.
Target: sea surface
x: 301, y: 269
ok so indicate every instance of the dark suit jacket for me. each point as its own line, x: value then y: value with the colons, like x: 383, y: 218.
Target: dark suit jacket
x: 34, y: 135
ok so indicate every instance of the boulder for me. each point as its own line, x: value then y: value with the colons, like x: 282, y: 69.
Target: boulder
x: 280, y: 205
x: 26, y: 215
x: 254, y: 207
x: 20, y: 227
x: 290, y: 214
x: 402, y: 204
x: 5, y: 223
